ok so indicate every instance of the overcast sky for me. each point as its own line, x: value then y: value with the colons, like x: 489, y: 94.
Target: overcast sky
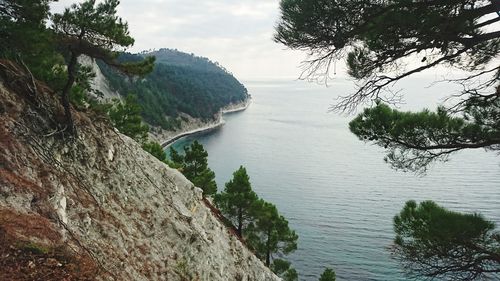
x: 237, y: 34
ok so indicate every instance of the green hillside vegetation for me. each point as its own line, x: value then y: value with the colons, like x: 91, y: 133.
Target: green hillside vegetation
x: 179, y: 83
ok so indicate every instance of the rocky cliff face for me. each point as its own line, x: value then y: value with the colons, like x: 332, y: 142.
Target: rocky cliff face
x: 97, y: 206
x: 99, y: 82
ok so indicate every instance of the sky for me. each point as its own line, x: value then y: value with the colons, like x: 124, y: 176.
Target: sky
x: 237, y: 34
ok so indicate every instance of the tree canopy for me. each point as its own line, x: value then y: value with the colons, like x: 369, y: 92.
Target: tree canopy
x: 436, y: 243
x: 328, y: 275
x: 179, y: 84
x: 22, y: 26
x: 259, y: 223
x: 283, y: 269
x: 375, y: 35
x: 270, y: 234
x: 383, y: 42
x: 156, y: 150
x: 194, y: 165
x: 94, y: 30
x: 125, y: 116
x: 27, y: 40
x: 238, y: 200
x: 415, y: 139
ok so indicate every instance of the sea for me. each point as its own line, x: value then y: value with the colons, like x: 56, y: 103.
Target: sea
x: 336, y: 191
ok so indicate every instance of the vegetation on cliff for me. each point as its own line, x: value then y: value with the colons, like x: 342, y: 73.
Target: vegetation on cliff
x: 328, y: 275
x: 254, y: 220
x: 98, y: 172
x: 238, y: 200
x: 194, y: 165
x: 265, y: 231
x: 179, y: 83
x: 97, y: 207
x: 94, y: 30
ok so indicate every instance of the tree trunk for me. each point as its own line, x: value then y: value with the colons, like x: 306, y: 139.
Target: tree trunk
x: 268, y: 248
x: 240, y: 223
x: 65, y: 93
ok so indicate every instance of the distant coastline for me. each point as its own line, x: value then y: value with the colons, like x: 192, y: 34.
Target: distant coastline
x: 220, y: 122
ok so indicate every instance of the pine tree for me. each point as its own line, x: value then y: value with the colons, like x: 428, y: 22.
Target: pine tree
x: 155, y: 149
x: 283, y: 269
x: 125, y: 116
x: 175, y: 156
x: 328, y: 275
x: 176, y: 160
x: 25, y: 38
x: 195, y: 168
x: 377, y: 39
x: 270, y: 233
x: 434, y: 242
x: 96, y: 31
x: 237, y: 201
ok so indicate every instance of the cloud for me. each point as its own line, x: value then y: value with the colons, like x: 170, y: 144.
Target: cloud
x: 237, y: 34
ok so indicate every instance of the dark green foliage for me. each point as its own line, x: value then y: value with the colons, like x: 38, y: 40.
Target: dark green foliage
x: 79, y: 94
x: 156, y: 150
x: 20, y: 19
x: 290, y: 275
x: 258, y: 222
x: 376, y: 34
x: 175, y: 157
x: 377, y: 38
x: 195, y: 159
x: 283, y: 269
x: 238, y: 200
x: 125, y: 116
x: 96, y: 24
x: 328, y: 275
x: 433, y: 242
x: 196, y: 168
x: 194, y: 165
x: 179, y: 83
x: 206, y: 181
x: 25, y: 38
x: 35, y: 249
x: 269, y: 233
x: 93, y: 30
x: 415, y: 139
x: 177, y: 58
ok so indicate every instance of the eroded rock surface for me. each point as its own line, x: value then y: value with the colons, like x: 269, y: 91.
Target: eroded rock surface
x: 98, y: 206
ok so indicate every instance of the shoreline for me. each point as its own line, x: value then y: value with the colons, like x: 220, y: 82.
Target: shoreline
x: 232, y: 108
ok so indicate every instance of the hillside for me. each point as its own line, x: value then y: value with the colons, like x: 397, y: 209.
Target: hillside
x: 98, y: 207
x: 180, y: 84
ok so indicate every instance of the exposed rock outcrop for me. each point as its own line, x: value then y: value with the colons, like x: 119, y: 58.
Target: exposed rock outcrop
x: 97, y: 206
x: 99, y: 83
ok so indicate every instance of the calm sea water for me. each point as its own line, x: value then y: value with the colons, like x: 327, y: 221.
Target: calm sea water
x: 336, y: 191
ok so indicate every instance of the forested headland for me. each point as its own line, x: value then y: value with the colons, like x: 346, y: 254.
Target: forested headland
x: 179, y: 83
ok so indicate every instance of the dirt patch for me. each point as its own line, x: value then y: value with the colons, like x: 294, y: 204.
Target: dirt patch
x: 18, y: 183
x: 28, y: 226
x: 22, y: 260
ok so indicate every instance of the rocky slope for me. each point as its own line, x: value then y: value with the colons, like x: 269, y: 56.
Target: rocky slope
x: 97, y: 207
x: 99, y: 82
